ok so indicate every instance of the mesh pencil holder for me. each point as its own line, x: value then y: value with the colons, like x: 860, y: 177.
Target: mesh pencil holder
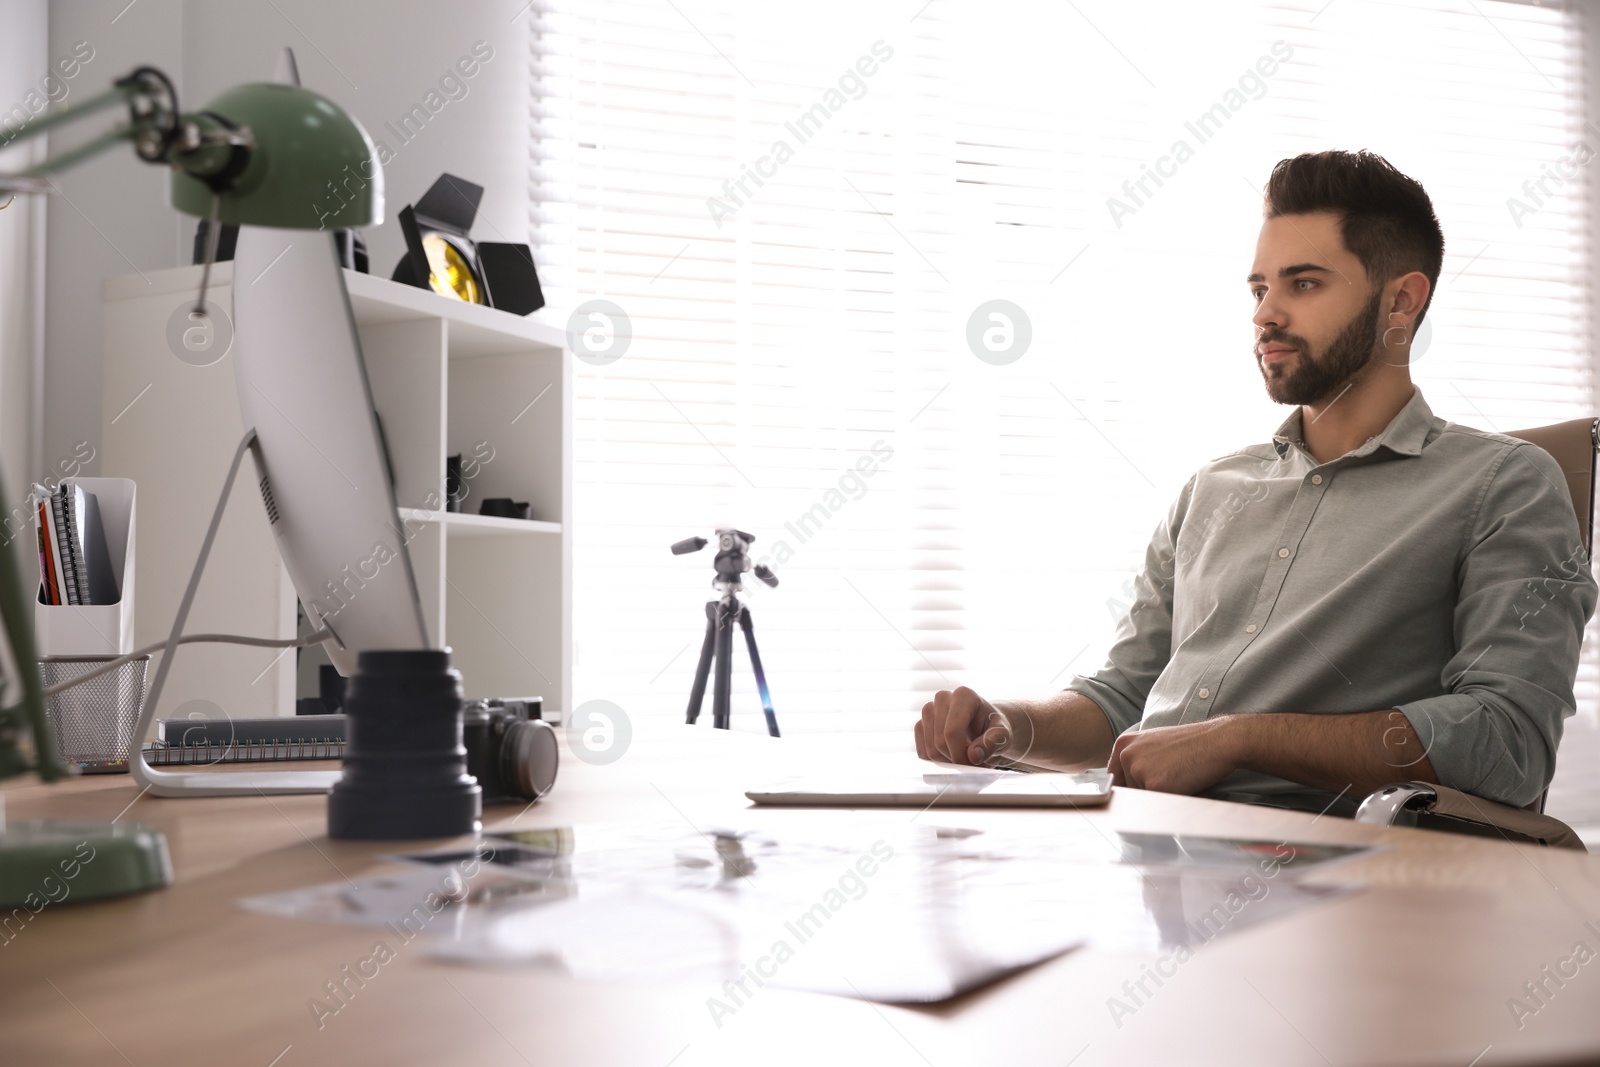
x: 94, y: 722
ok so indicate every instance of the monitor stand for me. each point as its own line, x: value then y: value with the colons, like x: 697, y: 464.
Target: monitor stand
x: 211, y: 783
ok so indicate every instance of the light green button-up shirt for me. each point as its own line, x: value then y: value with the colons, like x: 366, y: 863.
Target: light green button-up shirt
x: 1437, y: 569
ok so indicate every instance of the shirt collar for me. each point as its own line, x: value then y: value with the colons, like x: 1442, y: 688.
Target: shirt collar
x: 1405, y: 435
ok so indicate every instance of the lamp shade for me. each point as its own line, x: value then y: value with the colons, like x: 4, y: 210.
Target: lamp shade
x: 311, y: 166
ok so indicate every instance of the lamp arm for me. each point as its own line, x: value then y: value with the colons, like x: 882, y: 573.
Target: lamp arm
x: 203, y: 144
x: 36, y: 179
x: 66, y: 113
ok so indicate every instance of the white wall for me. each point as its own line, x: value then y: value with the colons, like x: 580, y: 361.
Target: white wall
x: 23, y: 67
x: 376, y: 60
x: 109, y: 218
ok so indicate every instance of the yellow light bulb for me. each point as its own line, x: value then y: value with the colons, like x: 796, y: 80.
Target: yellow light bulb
x: 449, y: 273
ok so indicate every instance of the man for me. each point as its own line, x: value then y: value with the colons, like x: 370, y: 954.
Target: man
x: 1377, y: 595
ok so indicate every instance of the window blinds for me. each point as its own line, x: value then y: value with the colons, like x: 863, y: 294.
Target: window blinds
x: 807, y: 215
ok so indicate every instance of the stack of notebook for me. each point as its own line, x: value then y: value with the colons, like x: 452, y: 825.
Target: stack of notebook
x: 74, y: 560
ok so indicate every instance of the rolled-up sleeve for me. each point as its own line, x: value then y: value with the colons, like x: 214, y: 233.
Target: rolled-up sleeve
x: 1525, y: 594
x: 1143, y: 643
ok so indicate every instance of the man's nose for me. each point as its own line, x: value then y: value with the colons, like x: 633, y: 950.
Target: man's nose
x: 1267, y: 317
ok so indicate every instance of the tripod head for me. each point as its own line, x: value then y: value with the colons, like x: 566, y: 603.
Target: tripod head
x: 732, y: 559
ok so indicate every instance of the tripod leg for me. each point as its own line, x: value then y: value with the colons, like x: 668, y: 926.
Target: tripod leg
x: 697, y: 695
x: 721, y: 696
x: 761, y: 676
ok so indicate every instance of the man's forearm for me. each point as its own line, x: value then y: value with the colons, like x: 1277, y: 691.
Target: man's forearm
x: 1070, y: 732
x: 1359, y: 751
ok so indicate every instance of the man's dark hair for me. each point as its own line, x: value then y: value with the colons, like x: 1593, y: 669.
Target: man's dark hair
x: 1385, y: 218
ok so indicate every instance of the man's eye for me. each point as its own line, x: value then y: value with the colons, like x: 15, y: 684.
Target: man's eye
x: 1259, y: 292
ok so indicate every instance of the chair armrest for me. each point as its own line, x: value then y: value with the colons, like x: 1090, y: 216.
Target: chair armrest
x: 1438, y: 807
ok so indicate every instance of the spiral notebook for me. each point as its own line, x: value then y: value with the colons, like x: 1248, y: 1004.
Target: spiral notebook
x: 74, y: 558
x: 207, y: 741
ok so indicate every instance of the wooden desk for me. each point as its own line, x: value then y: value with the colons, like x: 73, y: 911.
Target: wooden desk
x: 1419, y: 969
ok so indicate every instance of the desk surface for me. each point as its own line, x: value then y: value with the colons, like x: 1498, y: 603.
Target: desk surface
x: 1419, y: 969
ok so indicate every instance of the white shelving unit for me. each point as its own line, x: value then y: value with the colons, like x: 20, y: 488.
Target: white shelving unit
x: 446, y: 378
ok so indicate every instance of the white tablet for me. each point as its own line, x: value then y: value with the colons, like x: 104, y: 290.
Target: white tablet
x: 950, y: 789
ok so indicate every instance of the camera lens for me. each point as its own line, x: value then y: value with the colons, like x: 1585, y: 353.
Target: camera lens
x: 529, y: 756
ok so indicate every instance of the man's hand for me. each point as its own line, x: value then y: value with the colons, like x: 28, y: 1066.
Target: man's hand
x: 1176, y: 759
x: 959, y: 726
x: 1358, y: 751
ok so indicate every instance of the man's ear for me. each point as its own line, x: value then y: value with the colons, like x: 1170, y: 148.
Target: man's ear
x: 1410, y: 295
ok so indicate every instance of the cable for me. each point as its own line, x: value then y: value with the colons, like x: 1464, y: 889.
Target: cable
x: 234, y: 639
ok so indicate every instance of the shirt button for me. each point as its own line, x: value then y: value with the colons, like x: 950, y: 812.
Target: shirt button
x: 1204, y: 693
x: 1316, y: 479
x: 1283, y: 553
x: 1250, y: 629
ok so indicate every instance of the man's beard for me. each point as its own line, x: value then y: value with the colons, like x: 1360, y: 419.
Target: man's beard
x: 1315, y: 380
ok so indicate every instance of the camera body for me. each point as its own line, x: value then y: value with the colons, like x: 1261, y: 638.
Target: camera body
x: 511, y: 751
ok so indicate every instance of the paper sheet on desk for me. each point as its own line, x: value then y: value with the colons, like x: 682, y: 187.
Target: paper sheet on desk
x: 891, y: 920
x: 408, y: 902
x: 905, y: 915
x: 927, y: 916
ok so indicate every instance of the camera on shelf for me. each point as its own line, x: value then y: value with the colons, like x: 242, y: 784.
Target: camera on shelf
x: 511, y: 750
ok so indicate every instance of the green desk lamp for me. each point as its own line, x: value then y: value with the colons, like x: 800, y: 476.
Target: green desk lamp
x: 261, y: 155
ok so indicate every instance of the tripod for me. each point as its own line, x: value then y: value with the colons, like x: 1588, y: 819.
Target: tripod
x: 721, y: 614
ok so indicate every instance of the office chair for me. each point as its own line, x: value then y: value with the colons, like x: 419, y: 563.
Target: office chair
x: 1437, y: 807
